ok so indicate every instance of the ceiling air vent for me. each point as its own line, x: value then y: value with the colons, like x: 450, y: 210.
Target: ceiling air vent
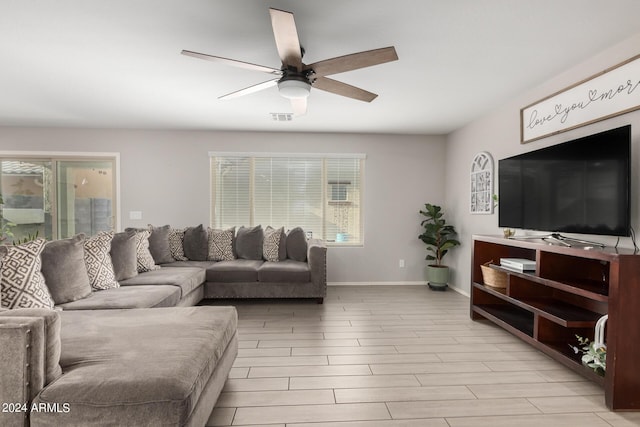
x: 281, y: 117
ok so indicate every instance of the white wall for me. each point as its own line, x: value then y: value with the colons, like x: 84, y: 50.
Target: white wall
x: 165, y: 174
x: 499, y: 133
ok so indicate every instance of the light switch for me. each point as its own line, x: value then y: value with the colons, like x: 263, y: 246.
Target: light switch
x: 135, y: 214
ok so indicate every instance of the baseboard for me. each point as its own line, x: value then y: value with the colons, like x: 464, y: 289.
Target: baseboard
x: 417, y: 283
x: 460, y: 291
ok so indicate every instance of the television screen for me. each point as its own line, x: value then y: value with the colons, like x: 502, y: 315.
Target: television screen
x: 581, y: 186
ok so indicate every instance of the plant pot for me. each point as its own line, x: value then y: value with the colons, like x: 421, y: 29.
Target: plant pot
x: 438, y: 276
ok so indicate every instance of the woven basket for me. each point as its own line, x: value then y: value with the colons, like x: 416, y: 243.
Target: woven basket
x: 492, y: 277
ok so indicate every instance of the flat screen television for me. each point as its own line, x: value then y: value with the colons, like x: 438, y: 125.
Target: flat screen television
x: 581, y: 186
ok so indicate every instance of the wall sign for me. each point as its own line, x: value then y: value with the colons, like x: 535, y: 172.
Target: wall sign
x: 610, y: 93
x: 482, y: 184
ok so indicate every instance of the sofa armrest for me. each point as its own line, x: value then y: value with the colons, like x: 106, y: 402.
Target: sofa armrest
x: 29, y: 359
x: 317, y: 259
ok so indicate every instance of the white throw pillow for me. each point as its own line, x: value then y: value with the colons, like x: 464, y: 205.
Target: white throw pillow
x: 98, y: 261
x: 144, y: 258
x: 221, y: 244
x: 21, y: 281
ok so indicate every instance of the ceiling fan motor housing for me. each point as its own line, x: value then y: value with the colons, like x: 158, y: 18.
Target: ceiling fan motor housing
x: 294, y: 86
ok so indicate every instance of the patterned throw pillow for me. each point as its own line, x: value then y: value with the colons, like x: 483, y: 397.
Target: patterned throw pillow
x: 22, y: 283
x: 143, y: 255
x: 176, y: 239
x: 98, y: 261
x: 221, y: 244
x: 271, y: 246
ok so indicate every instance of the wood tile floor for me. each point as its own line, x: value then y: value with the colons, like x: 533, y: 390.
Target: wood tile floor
x: 390, y: 356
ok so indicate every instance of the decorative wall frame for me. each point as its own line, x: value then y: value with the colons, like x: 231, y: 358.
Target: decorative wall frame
x: 481, y: 201
x: 610, y: 93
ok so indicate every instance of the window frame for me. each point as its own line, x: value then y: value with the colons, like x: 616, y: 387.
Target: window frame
x: 325, y: 198
x: 63, y: 156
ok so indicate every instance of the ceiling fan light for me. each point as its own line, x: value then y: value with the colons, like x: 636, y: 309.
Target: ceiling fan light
x: 294, y: 88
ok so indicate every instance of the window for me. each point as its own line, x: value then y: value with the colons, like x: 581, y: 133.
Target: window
x: 55, y: 197
x: 320, y: 193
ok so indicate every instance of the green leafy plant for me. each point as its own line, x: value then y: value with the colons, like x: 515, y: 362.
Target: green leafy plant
x: 437, y: 234
x: 592, y: 356
x: 30, y: 237
x: 5, y: 226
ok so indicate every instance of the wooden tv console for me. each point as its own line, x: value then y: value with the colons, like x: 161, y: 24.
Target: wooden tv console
x: 571, y: 288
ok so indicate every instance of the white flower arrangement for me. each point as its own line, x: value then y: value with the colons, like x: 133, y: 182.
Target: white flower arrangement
x: 594, y: 356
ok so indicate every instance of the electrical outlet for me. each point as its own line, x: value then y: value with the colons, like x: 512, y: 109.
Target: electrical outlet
x: 401, y: 263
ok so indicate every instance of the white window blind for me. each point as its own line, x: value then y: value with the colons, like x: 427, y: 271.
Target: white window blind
x: 323, y: 195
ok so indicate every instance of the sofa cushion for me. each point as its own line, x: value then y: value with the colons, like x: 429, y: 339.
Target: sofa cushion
x: 123, y: 255
x: 221, y: 244
x: 64, y: 269
x: 127, y: 297
x: 176, y: 239
x: 297, y: 245
x: 196, y: 243
x: 144, y: 259
x: 249, y: 242
x: 159, y: 244
x: 137, y: 367
x: 274, y: 244
x: 288, y: 271
x: 21, y: 281
x: 199, y: 264
x: 185, y: 278
x: 239, y: 270
x: 98, y: 261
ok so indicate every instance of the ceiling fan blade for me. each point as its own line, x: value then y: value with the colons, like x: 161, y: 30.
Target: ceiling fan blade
x: 354, y: 61
x: 286, y: 35
x: 233, y: 62
x: 343, y: 89
x: 250, y: 89
x: 299, y: 106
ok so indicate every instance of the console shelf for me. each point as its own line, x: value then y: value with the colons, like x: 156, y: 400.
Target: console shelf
x: 569, y: 291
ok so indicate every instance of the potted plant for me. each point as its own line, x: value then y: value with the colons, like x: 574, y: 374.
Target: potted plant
x: 439, y: 238
x: 5, y: 226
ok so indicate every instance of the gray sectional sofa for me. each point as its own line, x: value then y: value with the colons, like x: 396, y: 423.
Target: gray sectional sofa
x: 137, y: 351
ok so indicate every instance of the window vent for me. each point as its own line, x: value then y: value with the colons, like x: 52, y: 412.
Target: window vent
x: 281, y: 117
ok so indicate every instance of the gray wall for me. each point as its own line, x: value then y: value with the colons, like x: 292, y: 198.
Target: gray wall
x: 499, y: 133
x: 165, y: 174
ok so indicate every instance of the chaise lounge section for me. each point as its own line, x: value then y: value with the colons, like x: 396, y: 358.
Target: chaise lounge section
x: 164, y: 366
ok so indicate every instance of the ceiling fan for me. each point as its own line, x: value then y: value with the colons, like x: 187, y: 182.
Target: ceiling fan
x: 295, y: 78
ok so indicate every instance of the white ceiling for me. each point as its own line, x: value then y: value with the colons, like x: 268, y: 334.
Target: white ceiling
x: 117, y: 63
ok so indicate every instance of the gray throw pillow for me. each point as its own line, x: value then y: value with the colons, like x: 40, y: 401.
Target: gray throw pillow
x: 123, y: 255
x: 159, y: 244
x: 297, y: 245
x: 249, y: 242
x: 64, y: 269
x: 196, y: 243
